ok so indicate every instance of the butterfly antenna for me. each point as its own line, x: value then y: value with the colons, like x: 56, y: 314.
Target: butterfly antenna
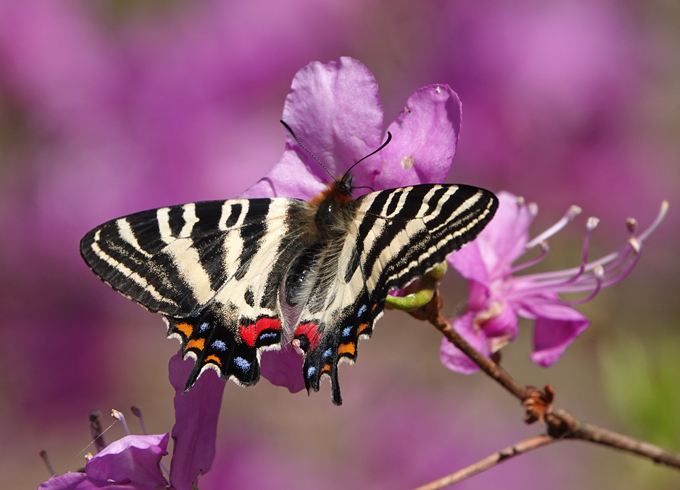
x: 290, y: 130
x: 389, y: 138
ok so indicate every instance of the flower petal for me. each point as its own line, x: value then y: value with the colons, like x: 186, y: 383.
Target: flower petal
x: 283, y: 368
x: 132, y: 459
x: 335, y: 111
x: 470, y: 264
x: 68, y: 481
x: 502, y: 327
x: 195, y: 430
x: 504, y: 239
x: 424, y: 139
x: 452, y: 357
x: 290, y: 177
x: 557, y: 325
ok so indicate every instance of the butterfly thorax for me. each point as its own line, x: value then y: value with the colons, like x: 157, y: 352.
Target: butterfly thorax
x: 333, y: 209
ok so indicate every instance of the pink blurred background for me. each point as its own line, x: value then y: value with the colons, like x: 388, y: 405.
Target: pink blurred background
x: 111, y: 107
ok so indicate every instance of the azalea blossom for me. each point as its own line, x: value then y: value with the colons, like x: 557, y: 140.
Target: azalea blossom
x: 335, y: 111
x: 134, y: 462
x: 498, y: 296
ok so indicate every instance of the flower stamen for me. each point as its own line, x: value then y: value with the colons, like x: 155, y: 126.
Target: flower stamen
x: 46, y: 460
x: 571, y: 213
x: 598, y: 274
x: 657, y: 221
x: 119, y: 416
x: 545, y: 248
x: 96, y: 430
x: 138, y: 413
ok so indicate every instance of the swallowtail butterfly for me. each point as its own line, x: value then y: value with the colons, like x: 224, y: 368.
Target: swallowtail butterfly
x: 233, y: 278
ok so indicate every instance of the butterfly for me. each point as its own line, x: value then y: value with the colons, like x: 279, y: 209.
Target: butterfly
x: 234, y: 278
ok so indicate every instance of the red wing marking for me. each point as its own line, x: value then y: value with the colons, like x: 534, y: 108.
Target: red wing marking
x: 251, y: 333
x: 311, y: 330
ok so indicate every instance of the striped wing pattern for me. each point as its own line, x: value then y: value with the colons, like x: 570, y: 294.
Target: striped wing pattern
x: 233, y: 278
x: 397, y: 236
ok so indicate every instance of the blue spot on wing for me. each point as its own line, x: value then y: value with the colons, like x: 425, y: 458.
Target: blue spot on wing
x: 204, y: 326
x: 268, y: 335
x: 310, y: 371
x: 362, y: 310
x: 242, y: 364
x: 346, y: 331
x: 219, y: 345
x: 327, y: 353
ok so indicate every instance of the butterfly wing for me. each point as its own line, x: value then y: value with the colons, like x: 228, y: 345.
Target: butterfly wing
x: 396, y: 236
x: 212, y: 268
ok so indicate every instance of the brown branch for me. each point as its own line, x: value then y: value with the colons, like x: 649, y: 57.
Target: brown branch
x: 488, y: 462
x: 539, y: 407
x: 487, y: 365
x: 606, y: 437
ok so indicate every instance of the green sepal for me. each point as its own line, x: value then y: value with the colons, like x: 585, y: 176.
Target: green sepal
x: 426, y: 287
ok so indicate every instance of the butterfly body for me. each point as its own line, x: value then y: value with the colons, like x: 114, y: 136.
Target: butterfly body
x: 233, y: 278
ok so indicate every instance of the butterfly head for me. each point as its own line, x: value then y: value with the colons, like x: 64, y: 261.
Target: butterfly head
x: 334, y: 205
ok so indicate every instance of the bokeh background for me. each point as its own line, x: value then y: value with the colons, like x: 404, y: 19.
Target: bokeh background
x: 111, y: 107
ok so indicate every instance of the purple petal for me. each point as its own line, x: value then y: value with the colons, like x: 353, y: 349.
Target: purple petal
x: 478, y: 296
x: 557, y: 325
x: 492, y: 254
x: 283, y: 368
x: 132, y: 459
x: 424, y: 139
x: 504, y: 239
x: 335, y: 111
x: 195, y: 430
x: 470, y: 264
x: 455, y: 359
x: 68, y: 481
x: 502, y: 327
x: 290, y: 177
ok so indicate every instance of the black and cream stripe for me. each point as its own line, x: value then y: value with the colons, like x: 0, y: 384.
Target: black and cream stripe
x: 233, y: 278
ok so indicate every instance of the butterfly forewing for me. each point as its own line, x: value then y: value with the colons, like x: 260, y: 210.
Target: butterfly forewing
x: 174, y: 260
x: 233, y: 278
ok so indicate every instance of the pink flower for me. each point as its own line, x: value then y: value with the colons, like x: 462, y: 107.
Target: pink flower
x: 335, y: 111
x: 134, y: 462
x: 497, y: 296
